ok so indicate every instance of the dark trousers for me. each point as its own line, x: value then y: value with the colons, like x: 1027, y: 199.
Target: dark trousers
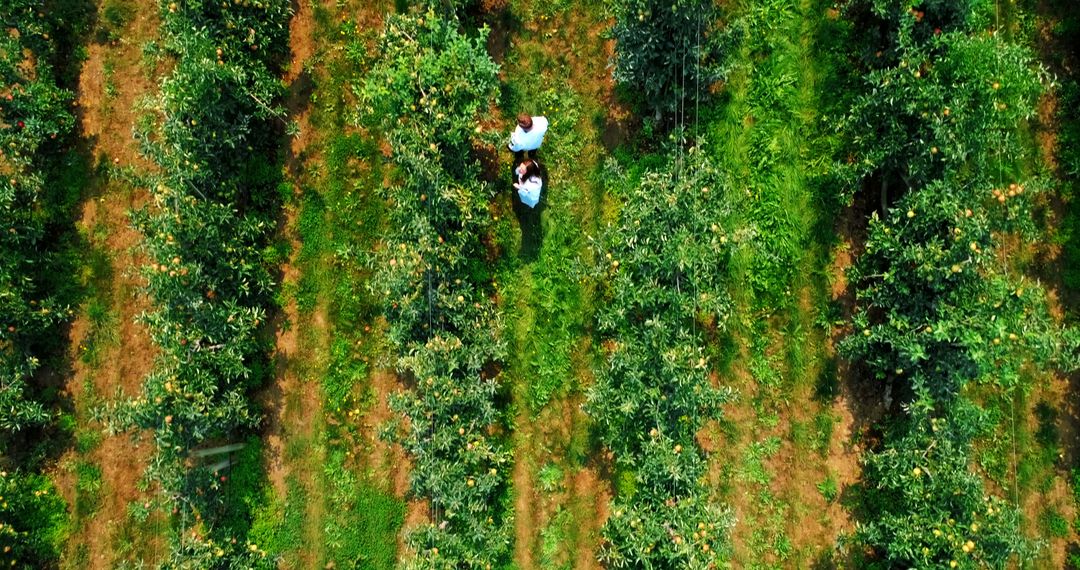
x: 521, y: 155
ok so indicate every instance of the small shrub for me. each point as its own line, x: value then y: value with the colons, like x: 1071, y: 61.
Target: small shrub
x: 1054, y: 523
x: 550, y: 477
x: 114, y: 17
x: 33, y: 520
x: 829, y: 489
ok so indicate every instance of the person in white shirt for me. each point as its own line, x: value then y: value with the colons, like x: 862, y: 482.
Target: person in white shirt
x: 528, y: 136
x: 528, y: 182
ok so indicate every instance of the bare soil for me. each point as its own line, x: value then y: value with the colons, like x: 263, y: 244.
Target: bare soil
x: 273, y: 397
x: 389, y: 460
x: 107, y: 122
x: 583, y: 492
x: 119, y: 375
x: 293, y: 401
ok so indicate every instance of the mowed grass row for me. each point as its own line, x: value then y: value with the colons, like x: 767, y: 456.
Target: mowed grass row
x: 551, y: 68
x: 780, y: 465
x: 338, y: 498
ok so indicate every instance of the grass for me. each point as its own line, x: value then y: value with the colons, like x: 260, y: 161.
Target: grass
x: 335, y: 511
x: 113, y: 18
x: 767, y: 131
x: 540, y: 266
x: 132, y: 544
x: 550, y: 478
x: 88, y: 489
x: 545, y: 298
x: 278, y: 521
x: 829, y: 489
x: 96, y: 280
x: 552, y: 538
x: 1053, y: 523
x: 360, y: 525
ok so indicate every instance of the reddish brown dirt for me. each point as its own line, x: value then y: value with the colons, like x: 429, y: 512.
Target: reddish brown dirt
x: 389, y: 460
x: 108, y: 123
x: 1047, y: 135
x: 729, y: 454
x: 293, y: 400
x: 302, y: 45
x: 811, y: 523
x: 301, y: 39
x: 274, y: 398
x: 583, y: 492
x: 590, y: 496
x: 1057, y: 390
x: 572, y: 48
x: 416, y: 513
x: 842, y: 260
x: 1060, y: 390
x: 526, y: 524
x: 122, y: 368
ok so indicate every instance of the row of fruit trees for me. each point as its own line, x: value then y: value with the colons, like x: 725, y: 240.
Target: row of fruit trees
x: 663, y: 267
x: 664, y: 291
x: 942, y: 98
x: 426, y: 94
x: 35, y: 118
x: 663, y: 272
x: 34, y: 111
x: 936, y: 130
x: 213, y: 211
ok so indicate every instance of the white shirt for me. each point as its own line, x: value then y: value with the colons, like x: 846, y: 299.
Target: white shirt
x: 529, y: 191
x: 531, y: 139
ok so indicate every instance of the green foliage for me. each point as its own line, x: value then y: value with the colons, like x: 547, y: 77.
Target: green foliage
x: 1054, y: 523
x: 115, y: 16
x: 428, y: 87
x: 248, y: 31
x: 242, y: 485
x: 33, y: 112
x: 829, y: 488
x: 667, y: 52
x: 364, y: 519
x: 663, y: 267
x: 1069, y: 162
x: 946, y: 109
x: 926, y: 508
x: 931, y: 311
x: 880, y: 26
x: 940, y: 117
x: 207, y: 228
x: 87, y: 488
x: 32, y: 521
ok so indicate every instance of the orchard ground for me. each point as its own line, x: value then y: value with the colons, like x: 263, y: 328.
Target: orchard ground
x: 784, y: 458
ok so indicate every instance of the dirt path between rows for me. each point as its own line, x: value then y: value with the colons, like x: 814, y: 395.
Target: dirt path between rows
x: 560, y: 495
x: 293, y: 401
x: 112, y: 80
